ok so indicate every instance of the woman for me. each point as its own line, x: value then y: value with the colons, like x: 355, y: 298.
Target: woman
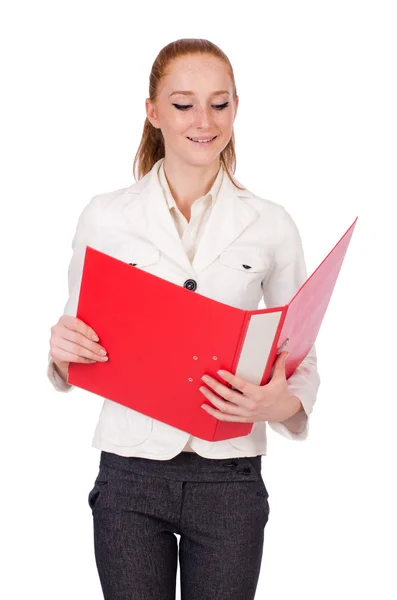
x: 187, y: 220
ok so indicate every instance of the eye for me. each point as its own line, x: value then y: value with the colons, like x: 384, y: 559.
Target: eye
x: 186, y: 106
x: 221, y: 106
x: 182, y: 106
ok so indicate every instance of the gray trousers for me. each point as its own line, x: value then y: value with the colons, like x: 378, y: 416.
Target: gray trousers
x: 219, y: 507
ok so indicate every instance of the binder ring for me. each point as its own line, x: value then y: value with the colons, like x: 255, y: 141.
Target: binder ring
x: 283, y: 346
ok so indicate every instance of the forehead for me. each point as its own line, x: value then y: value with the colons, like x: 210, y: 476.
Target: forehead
x: 196, y: 71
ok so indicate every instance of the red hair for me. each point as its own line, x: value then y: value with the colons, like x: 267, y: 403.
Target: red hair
x: 151, y: 147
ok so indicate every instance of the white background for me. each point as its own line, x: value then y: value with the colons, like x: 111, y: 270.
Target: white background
x: 316, y: 131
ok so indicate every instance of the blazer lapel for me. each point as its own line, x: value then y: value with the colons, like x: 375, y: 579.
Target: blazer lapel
x: 151, y: 219
x: 230, y: 216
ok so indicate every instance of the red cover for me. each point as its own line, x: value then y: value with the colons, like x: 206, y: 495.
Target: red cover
x: 161, y: 338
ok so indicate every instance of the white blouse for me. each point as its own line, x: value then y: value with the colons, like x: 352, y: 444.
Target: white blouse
x: 191, y: 231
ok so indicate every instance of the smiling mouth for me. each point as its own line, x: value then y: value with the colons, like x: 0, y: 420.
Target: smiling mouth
x: 203, y: 142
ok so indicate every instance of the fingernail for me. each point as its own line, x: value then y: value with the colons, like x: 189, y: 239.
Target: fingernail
x: 95, y: 337
x: 103, y: 351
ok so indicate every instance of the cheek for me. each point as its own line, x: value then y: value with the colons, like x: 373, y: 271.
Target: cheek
x: 174, y: 124
x: 225, y: 121
x: 177, y: 125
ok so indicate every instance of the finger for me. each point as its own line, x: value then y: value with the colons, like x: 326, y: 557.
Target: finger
x: 225, y: 407
x: 222, y: 416
x: 78, y: 359
x: 76, y: 324
x: 221, y: 389
x: 234, y: 397
x: 60, y: 356
x: 64, y: 349
x: 240, y: 384
x: 79, y: 339
x: 279, y: 365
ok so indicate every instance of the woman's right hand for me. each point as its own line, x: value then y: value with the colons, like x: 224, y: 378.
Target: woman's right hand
x: 73, y: 341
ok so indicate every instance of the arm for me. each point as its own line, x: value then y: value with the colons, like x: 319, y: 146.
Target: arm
x: 285, y: 276
x: 87, y: 233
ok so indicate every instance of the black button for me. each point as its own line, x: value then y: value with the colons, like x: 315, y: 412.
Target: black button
x: 190, y: 284
x: 244, y: 471
x: 133, y: 264
x: 247, y: 266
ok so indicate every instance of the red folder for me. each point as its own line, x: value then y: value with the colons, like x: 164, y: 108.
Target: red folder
x: 161, y: 338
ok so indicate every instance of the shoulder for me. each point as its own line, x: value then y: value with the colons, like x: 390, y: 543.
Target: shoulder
x: 107, y: 200
x: 272, y: 213
x: 101, y: 205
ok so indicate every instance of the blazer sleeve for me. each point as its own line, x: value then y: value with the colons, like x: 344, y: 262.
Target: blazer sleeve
x: 87, y: 233
x: 285, y: 276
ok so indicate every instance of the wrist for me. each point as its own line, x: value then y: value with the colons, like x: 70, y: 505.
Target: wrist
x: 292, y: 406
x: 297, y: 418
x: 62, y: 370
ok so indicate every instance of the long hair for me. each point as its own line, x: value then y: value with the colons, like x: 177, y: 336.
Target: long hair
x: 151, y: 147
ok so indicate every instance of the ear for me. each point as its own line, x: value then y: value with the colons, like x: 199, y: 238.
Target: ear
x: 236, y: 101
x: 151, y: 113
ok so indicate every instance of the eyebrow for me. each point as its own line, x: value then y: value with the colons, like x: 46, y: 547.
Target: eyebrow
x: 190, y: 93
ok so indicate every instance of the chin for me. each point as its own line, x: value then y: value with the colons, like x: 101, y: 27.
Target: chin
x: 201, y: 161
x: 201, y: 157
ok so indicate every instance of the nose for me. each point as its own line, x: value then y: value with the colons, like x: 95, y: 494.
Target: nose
x: 203, y: 118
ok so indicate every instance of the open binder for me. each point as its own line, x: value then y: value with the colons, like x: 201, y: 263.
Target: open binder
x: 161, y: 338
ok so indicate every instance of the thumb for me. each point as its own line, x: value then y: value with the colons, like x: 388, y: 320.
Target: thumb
x: 279, y: 366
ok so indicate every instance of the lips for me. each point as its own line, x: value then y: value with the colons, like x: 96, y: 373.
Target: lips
x: 203, y: 141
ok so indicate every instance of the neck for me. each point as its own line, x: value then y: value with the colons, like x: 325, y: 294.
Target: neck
x: 188, y: 182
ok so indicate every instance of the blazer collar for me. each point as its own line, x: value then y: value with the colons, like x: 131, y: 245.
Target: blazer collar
x: 150, y: 217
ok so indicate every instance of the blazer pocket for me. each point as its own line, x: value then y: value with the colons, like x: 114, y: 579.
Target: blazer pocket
x: 245, y: 263
x: 143, y: 256
x: 123, y: 426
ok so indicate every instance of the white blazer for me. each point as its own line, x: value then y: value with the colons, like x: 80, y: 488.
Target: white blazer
x: 134, y: 224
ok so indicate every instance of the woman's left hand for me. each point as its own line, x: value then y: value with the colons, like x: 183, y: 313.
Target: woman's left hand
x: 249, y: 403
